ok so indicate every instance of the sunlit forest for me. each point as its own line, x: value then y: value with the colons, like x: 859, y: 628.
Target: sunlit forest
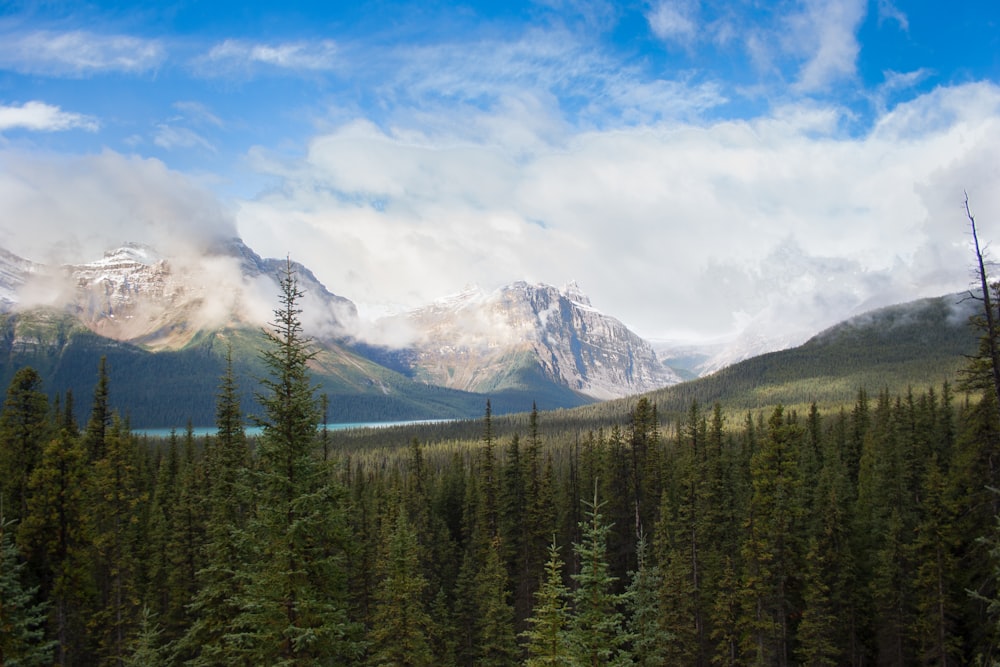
x: 862, y: 534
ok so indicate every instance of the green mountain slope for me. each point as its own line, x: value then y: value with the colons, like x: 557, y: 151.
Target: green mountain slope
x: 913, y: 345
x: 169, y: 388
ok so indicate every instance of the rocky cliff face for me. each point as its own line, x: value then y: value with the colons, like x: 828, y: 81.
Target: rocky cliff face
x: 474, y: 341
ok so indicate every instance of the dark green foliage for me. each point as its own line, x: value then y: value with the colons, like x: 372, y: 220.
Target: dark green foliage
x: 24, y: 428
x: 22, y: 616
x: 294, y: 605
x: 597, y: 633
x: 401, y: 628
x: 847, y: 534
x: 547, y: 637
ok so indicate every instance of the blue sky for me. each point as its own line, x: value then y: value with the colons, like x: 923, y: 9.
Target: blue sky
x: 700, y: 168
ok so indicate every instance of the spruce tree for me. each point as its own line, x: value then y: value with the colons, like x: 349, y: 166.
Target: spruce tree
x: 24, y: 428
x: 650, y: 639
x: 295, y: 607
x: 547, y: 634
x: 116, y: 497
x: 597, y: 631
x: 772, y: 547
x: 222, y: 579
x: 22, y: 617
x: 57, y: 535
x: 401, y: 627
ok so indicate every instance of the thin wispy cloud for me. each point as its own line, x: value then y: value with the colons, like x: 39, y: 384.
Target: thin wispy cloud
x: 172, y: 137
x: 234, y: 56
x: 41, y: 117
x: 77, y: 53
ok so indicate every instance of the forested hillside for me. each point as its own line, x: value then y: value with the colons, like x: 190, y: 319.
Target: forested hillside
x: 854, y: 534
x: 169, y: 388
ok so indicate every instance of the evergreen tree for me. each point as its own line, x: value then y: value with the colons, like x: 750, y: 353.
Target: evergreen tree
x: 650, y: 639
x: 547, y: 641
x: 401, y: 627
x: 147, y: 646
x: 597, y: 631
x: 56, y: 534
x: 772, y: 544
x: 938, y: 597
x: 497, y: 643
x: 222, y: 580
x: 115, y: 502
x: 22, y: 617
x: 24, y: 429
x: 294, y: 607
x: 100, y: 414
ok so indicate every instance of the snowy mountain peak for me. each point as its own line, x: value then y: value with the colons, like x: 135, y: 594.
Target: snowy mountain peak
x: 476, y: 342
x: 136, y: 253
x: 573, y: 292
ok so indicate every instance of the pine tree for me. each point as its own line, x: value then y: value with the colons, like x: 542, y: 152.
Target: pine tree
x: 650, y: 638
x: 497, y: 643
x: 222, y: 580
x: 772, y: 544
x: 24, y: 428
x: 100, y: 414
x: 115, y: 500
x: 597, y: 631
x: 401, y: 627
x: 22, y: 617
x: 294, y: 607
x: 938, y: 597
x: 147, y: 646
x: 547, y: 640
x: 57, y: 534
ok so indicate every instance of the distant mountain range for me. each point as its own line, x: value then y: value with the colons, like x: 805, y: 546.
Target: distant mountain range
x: 165, y: 322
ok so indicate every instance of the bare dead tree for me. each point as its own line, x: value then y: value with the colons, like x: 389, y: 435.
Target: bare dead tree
x: 992, y: 344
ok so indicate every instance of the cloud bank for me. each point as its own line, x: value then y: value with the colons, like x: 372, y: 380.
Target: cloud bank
x: 676, y: 228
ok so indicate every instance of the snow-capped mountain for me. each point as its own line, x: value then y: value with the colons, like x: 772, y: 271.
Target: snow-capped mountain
x: 479, y: 341
x: 14, y: 271
x: 134, y: 294
x: 526, y: 339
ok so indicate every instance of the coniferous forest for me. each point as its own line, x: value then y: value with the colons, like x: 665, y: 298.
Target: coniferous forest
x: 864, y: 535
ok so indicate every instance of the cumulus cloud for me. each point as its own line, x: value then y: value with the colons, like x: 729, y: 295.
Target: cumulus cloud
x: 72, y: 208
x: 825, y: 32
x: 674, y: 20
x: 663, y: 225
x: 41, y: 117
x: 77, y: 53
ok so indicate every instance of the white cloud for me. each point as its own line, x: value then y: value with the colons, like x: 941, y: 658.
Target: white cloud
x: 198, y: 113
x: 172, y: 137
x: 234, y: 56
x: 674, y: 20
x: 826, y: 33
x: 672, y: 226
x: 887, y: 11
x: 41, y: 117
x: 73, y: 208
x: 77, y: 53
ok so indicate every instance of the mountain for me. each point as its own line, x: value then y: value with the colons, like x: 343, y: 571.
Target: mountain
x: 525, y: 337
x: 172, y: 319
x: 917, y: 345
